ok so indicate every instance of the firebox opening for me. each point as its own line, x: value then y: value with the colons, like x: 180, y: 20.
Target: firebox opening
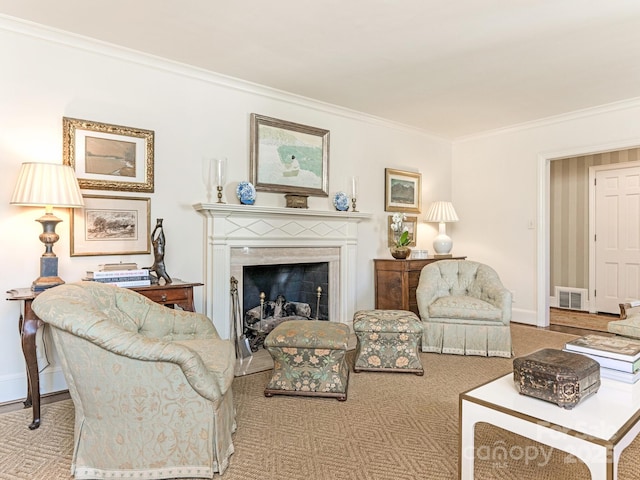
x: 289, y: 291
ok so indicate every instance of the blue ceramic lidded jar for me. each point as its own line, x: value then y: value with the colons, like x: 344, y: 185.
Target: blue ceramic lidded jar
x: 246, y: 193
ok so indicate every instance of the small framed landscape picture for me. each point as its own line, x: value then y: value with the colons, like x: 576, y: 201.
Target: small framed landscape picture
x: 289, y: 157
x: 412, y: 227
x: 403, y: 191
x: 108, y: 157
x: 111, y: 226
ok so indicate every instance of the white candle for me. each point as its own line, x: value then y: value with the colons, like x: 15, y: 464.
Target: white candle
x: 354, y: 187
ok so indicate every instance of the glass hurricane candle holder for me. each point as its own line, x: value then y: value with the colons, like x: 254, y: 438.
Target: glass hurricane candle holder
x: 220, y: 172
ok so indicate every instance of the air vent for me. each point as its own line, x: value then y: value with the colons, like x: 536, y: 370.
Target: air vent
x: 571, y: 298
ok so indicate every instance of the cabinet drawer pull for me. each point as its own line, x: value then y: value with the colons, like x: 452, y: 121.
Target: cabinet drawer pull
x: 163, y: 298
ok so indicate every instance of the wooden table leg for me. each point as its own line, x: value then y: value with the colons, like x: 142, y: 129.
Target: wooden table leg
x: 28, y: 330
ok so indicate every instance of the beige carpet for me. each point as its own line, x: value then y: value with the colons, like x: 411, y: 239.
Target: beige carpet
x: 584, y: 320
x: 392, y: 427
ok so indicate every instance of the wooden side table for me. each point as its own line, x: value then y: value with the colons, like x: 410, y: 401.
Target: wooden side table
x: 396, y: 282
x: 177, y: 293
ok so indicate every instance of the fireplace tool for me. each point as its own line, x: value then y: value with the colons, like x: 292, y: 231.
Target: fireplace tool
x: 262, y: 297
x: 319, y: 290
x: 242, y: 342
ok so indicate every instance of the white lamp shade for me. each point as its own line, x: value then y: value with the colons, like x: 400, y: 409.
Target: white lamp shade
x: 441, y: 212
x: 47, y: 184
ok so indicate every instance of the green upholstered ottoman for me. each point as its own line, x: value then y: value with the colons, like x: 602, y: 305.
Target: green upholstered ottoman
x: 308, y: 359
x: 388, y: 341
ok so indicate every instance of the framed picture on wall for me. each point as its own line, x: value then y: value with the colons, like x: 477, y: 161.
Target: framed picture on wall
x: 111, y: 226
x: 108, y: 157
x: 412, y: 226
x: 402, y: 191
x: 289, y: 157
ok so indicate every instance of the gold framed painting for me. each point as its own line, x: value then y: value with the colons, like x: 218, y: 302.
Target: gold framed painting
x: 289, y: 157
x: 108, y: 157
x: 111, y: 226
x: 402, y: 191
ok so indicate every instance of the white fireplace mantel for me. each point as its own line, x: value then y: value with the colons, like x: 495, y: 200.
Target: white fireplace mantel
x: 232, y: 232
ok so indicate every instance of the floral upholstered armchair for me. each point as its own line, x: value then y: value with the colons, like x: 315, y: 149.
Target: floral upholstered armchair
x: 464, y: 308
x: 151, y: 386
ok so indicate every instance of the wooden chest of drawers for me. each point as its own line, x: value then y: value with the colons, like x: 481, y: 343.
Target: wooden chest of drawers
x: 396, y: 282
x: 177, y: 293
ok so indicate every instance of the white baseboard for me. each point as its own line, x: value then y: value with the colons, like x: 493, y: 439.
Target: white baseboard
x: 528, y: 317
x: 14, y: 387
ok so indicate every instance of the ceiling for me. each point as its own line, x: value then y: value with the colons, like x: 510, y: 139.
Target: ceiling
x: 452, y: 68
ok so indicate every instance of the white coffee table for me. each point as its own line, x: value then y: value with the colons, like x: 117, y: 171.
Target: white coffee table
x: 596, y: 431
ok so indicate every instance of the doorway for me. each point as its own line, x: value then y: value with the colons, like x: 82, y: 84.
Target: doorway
x: 563, y: 224
x: 614, y: 239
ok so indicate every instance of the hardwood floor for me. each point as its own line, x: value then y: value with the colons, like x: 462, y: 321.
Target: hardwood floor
x: 47, y: 398
x: 597, y: 321
x: 576, y: 331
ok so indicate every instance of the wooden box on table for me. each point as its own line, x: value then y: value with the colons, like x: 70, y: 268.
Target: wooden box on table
x: 560, y: 377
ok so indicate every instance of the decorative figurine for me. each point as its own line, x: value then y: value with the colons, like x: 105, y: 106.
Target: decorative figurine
x: 158, y: 240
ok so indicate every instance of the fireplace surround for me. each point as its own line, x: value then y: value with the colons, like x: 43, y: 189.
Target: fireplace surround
x: 236, y: 236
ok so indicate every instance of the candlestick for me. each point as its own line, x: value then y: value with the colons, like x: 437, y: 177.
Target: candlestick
x: 221, y: 167
x: 354, y: 193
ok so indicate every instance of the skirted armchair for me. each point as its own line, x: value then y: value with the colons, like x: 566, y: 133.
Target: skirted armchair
x: 464, y: 308
x: 151, y: 386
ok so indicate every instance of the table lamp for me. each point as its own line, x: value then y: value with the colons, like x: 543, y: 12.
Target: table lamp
x: 442, y: 212
x: 48, y: 185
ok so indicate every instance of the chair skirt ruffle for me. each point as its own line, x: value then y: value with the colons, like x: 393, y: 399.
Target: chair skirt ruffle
x: 465, y: 339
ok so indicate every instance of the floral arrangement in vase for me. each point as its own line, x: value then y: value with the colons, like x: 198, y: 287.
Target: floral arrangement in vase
x: 401, y: 249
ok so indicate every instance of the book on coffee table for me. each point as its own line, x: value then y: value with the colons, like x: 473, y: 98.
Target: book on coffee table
x: 625, y: 377
x: 619, y: 348
x: 612, y: 363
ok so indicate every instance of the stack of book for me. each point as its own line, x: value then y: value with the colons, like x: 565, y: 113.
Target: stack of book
x: 619, y: 357
x: 120, y: 275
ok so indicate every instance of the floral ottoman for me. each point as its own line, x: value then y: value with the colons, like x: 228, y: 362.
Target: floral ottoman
x: 308, y: 359
x: 388, y: 341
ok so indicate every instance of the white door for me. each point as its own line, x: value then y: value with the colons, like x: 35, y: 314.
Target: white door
x: 617, y: 237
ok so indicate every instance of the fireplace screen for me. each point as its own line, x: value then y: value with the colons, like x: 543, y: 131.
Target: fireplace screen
x: 273, y: 294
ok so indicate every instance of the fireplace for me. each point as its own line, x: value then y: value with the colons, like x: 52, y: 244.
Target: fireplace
x: 303, y: 282
x: 274, y: 294
x: 239, y: 236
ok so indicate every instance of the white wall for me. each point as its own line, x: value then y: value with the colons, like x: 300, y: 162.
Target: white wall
x: 47, y: 75
x: 499, y: 189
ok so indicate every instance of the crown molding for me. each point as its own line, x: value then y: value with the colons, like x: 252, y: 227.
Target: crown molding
x: 555, y: 119
x: 80, y: 42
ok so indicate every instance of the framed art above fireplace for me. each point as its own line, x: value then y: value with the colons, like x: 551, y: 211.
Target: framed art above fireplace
x: 289, y: 157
